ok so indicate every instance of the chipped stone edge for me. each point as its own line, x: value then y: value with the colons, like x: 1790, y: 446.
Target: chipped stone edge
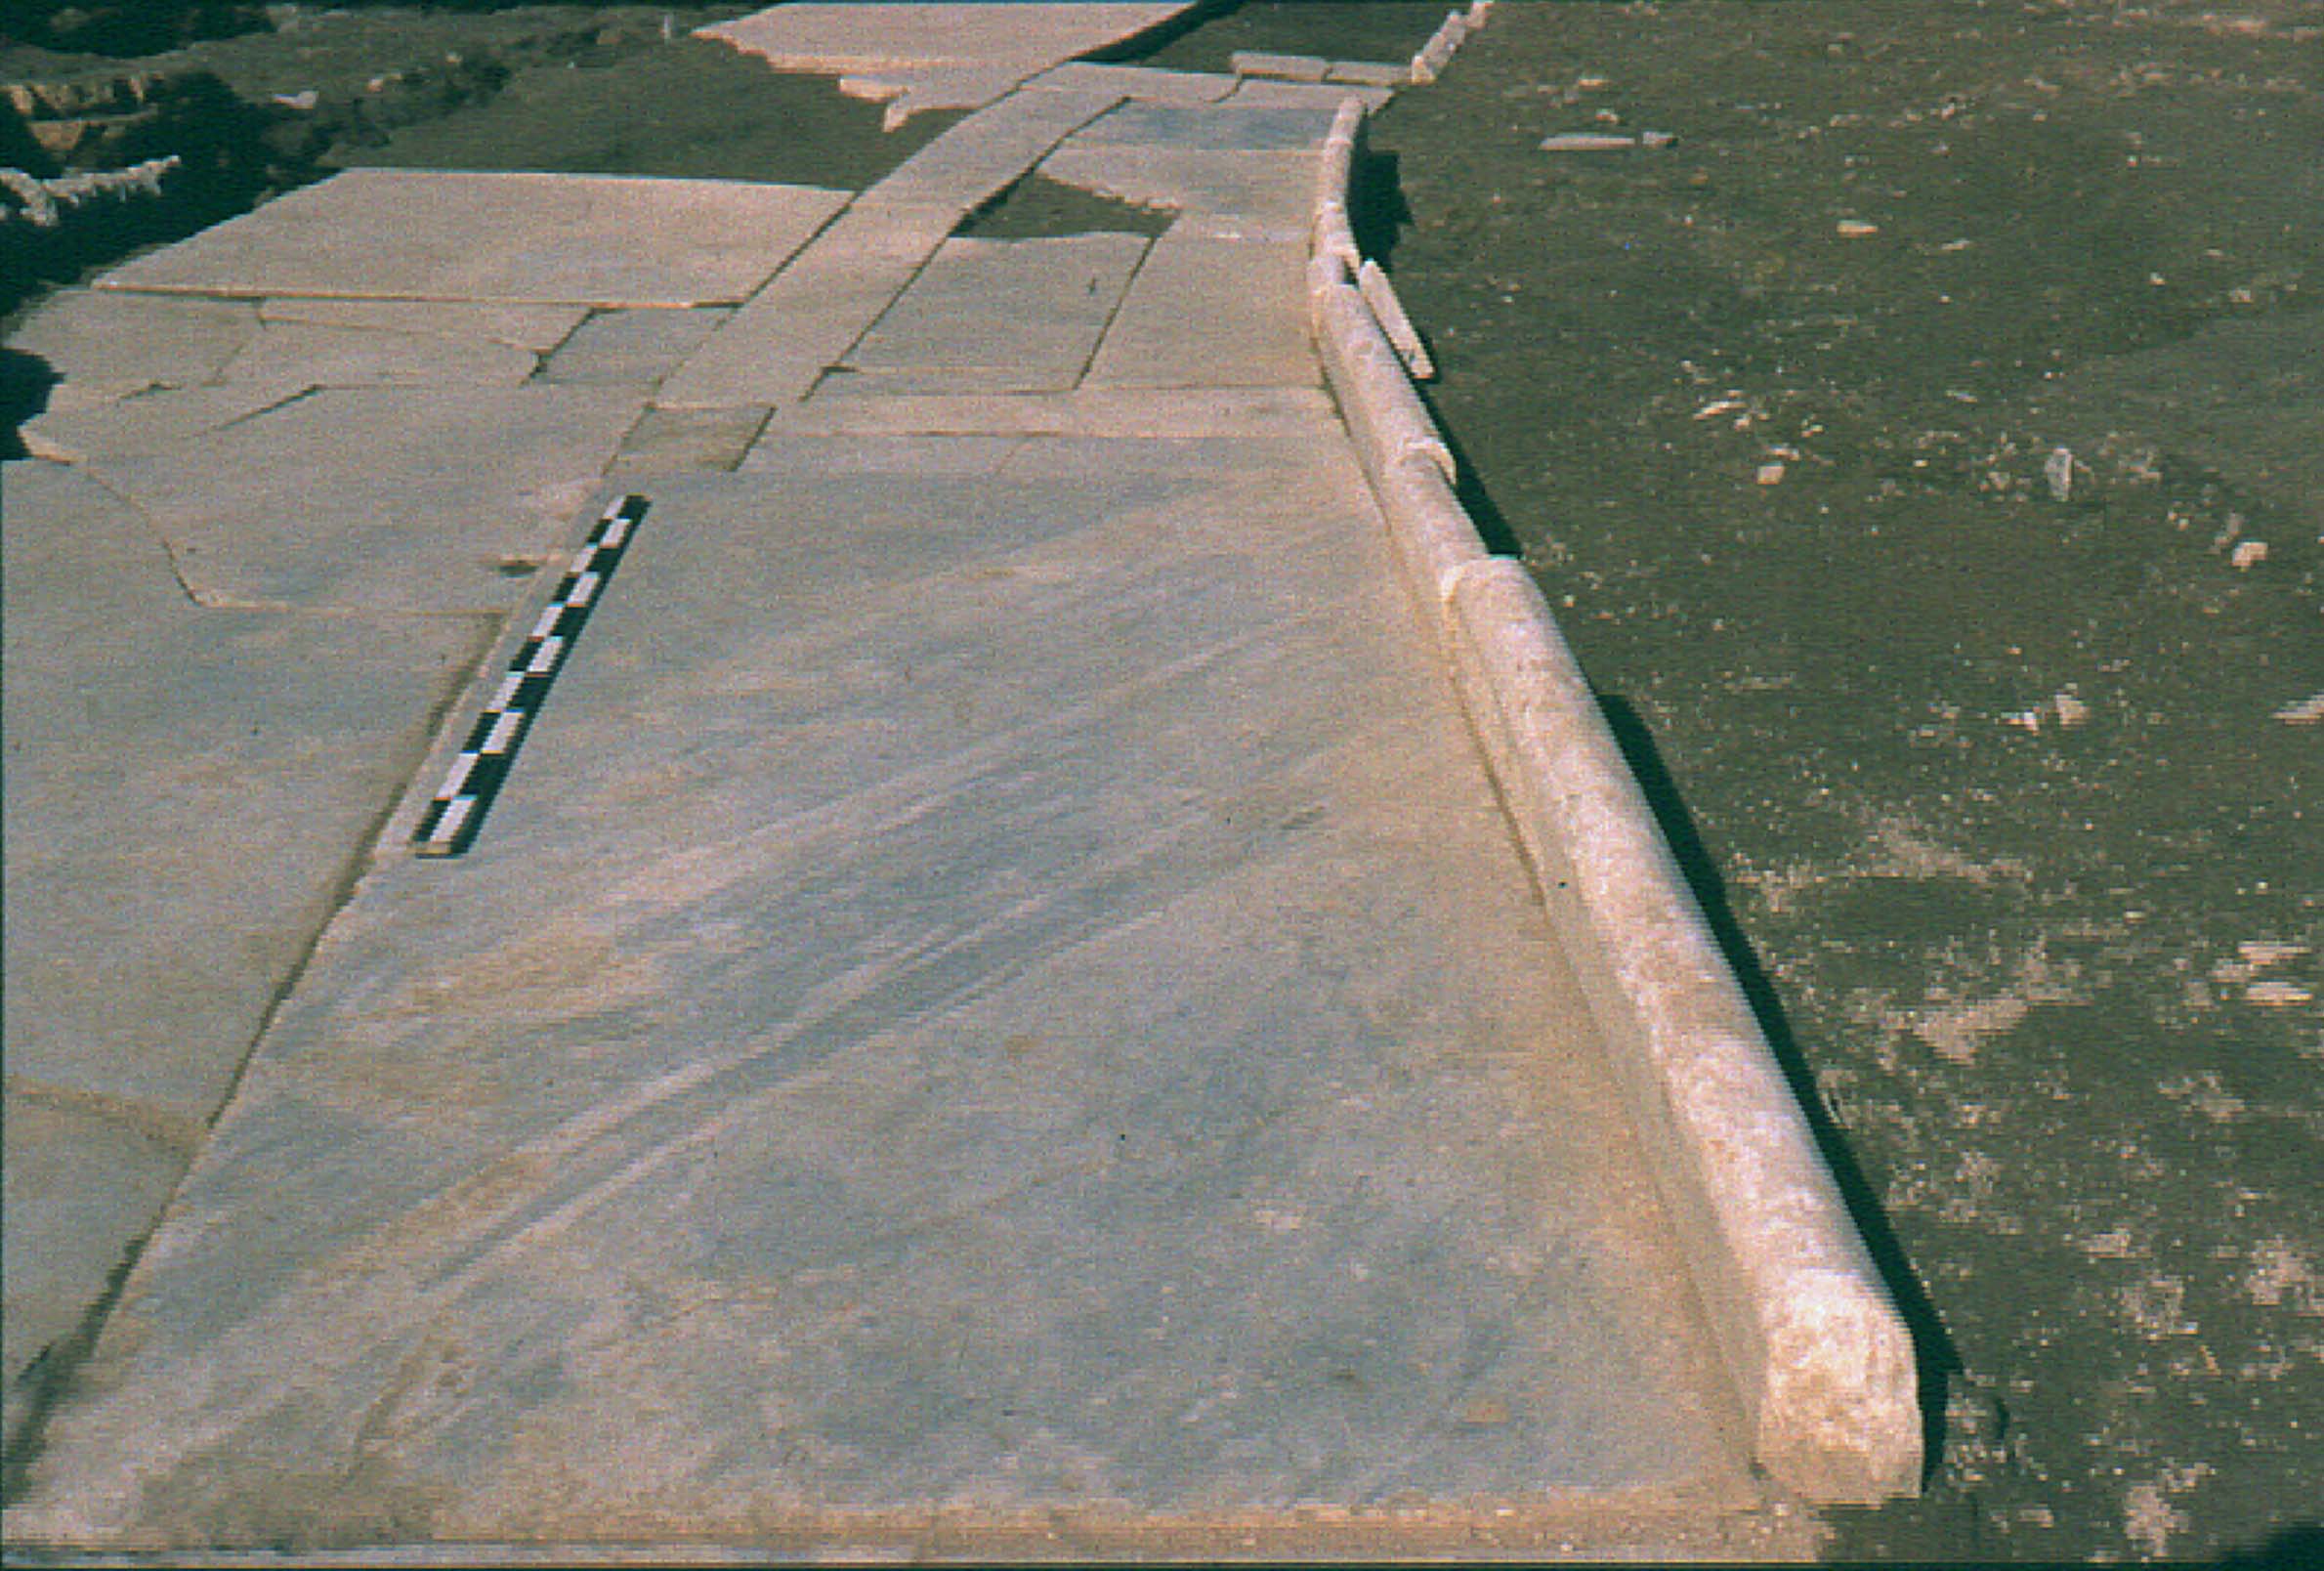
x: 1821, y: 1358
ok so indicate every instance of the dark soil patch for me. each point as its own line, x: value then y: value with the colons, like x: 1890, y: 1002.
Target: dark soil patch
x: 2005, y: 791
x: 691, y: 108
x: 1038, y: 208
x: 1390, y: 31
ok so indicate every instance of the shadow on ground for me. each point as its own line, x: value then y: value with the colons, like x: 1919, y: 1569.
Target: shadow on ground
x: 24, y: 384
x: 1935, y: 1358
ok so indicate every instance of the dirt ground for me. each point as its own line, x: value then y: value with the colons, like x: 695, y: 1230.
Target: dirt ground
x: 1926, y: 453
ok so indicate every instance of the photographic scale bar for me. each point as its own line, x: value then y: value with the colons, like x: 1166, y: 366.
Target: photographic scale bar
x: 449, y: 826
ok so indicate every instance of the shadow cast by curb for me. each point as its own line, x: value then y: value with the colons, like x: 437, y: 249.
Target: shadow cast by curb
x: 1937, y: 1363
x: 1469, y: 489
x: 1154, y: 40
x: 2298, y: 1546
x: 25, y: 381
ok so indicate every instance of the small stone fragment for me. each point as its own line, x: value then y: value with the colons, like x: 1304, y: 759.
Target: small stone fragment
x: 1855, y: 229
x: 2276, y: 994
x: 2248, y: 554
x: 1772, y: 474
x: 2307, y: 712
x: 1587, y: 141
x: 2058, y: 469
x: 2071, y: 710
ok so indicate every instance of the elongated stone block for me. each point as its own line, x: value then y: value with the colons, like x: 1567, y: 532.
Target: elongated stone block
x: 1822, y: 1359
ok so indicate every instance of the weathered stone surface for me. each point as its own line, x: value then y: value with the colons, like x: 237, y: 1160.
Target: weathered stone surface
x: 1369, y: 73
x: 1821, y: 1358
x: 632, y: 347
x: 518, y: 238
x: 864, y: 407
x: 977, y: 158
x: 1002, y: 993
x: 774, y: 349
x: 79, y: 1189
x: 307, y: 355
x: 1142, y: 82
x: 999, y: 989
x: 143, y: 421
x: 861, y: 37
x: 907, y: 91
x: 185, y: 791
x: 1212, y: 313
x: 445, y: 485
x: 93, y: 336
x: 806, y: 319
x: 538, y: 328
x: 673, y: 441
x: 1234, y: 126
x: 913, y: 455
x: 1004, y: 315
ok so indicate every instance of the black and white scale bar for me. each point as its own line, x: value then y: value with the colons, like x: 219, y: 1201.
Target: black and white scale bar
x: 449, y: 824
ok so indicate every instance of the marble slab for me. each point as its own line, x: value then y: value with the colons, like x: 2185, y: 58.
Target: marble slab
x: 504, y: 238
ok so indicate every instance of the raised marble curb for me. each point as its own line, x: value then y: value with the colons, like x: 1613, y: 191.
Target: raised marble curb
x: 1436, y: 54
x: 1388, y: 311
x: 1822, y: 1360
